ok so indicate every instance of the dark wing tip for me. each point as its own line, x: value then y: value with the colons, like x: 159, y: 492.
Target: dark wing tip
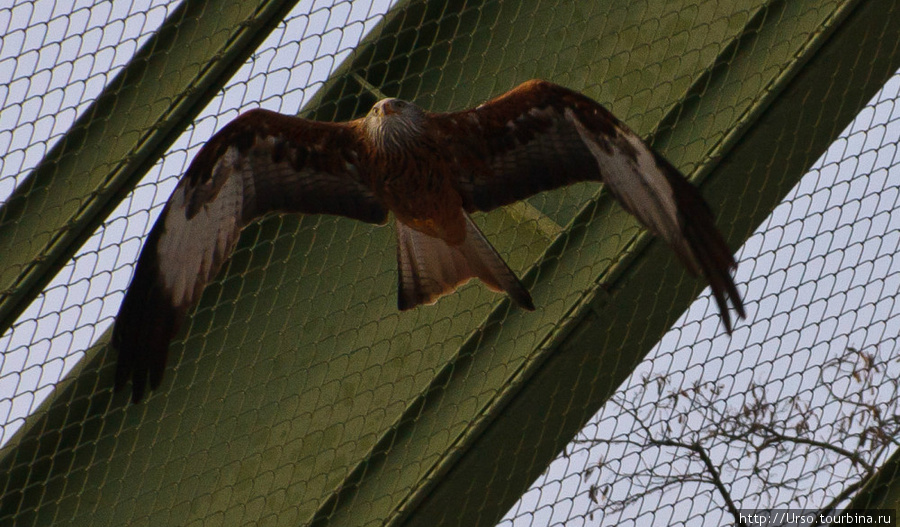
x: 717, y: 263
x: 141, y: 338
x: 146, y: 323
x: 708, y: 247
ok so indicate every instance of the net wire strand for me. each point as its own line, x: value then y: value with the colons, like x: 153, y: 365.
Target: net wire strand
x: 821, y: 277
x: 80, y: 303
x: 837, y: 226
x: 54, y: 62
x: 55, y: 58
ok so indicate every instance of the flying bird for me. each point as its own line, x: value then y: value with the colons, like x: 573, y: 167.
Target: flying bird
x: 431, y: 170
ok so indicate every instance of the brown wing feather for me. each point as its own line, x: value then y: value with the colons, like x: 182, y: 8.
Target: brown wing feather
x: 259, y: 163
x: 541, y: 136
x: 520, y: 143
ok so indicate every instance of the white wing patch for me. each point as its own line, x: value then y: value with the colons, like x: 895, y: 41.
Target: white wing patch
x: 192, y: 249
x: 634, y: 176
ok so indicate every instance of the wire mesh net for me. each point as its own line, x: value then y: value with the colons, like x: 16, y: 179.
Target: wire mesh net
x: 55, y: 59
x: 798, y: 406
x: 299, y: 394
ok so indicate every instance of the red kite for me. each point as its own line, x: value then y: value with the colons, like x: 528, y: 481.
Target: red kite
x: 430, y: 170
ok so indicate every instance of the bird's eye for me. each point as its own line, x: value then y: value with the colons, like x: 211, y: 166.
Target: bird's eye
x: 376, y: 110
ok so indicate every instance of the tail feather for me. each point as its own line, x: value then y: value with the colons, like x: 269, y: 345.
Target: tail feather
x: 429, y: 267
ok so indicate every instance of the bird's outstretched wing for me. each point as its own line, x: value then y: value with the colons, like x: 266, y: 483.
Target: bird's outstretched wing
x: 541, y: 136
x: 259, y: 163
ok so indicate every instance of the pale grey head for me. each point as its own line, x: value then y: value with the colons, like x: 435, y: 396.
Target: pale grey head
x: 394, y: 123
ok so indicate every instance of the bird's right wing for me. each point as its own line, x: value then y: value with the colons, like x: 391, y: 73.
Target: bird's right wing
x: 540, y: 136
x: 261, y: 162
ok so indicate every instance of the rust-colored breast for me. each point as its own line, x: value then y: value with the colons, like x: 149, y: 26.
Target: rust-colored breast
x: 417, y: 186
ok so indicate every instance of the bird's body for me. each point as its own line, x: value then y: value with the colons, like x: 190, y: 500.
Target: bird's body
x: 430, y: 170
x: 420, y: 194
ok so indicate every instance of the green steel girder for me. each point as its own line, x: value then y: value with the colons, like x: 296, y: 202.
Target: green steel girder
x: 883, y: 490
x: 445, y: 415
x: 123, y: 132
x: 761, y: 157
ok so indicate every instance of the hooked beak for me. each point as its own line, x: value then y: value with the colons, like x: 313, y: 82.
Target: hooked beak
x: 388, y: 108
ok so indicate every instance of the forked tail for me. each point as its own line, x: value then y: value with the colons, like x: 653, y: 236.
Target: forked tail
x: 429, y: 267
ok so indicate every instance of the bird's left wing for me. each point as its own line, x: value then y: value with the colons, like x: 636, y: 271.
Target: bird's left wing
x: 261, y: 162
x: 542, y: 136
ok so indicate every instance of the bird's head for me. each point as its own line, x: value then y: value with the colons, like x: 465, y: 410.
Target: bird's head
x: 393, y: 123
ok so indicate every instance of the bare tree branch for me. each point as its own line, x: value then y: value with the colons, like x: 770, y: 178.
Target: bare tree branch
x: 715, y: 477
x: 772, y: 434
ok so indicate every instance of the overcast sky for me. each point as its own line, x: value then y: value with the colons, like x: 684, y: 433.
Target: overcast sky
x: 818, y: 276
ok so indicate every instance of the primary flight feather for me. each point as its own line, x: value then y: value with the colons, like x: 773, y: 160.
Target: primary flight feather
x: 430, y: 170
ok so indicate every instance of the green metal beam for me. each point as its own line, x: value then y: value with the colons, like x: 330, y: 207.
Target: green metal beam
x: 119, y: 136
x: 883, y: 490
x: 302, y: 395
x: 580, y: 362
x: 763, y: 154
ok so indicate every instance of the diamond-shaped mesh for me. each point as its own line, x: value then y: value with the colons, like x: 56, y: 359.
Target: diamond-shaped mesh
x: 297, y: 393
x: 55, y: 59
x: 782, y: 408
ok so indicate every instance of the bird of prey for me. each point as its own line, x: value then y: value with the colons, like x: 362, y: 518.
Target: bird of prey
x: 431, y: 170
